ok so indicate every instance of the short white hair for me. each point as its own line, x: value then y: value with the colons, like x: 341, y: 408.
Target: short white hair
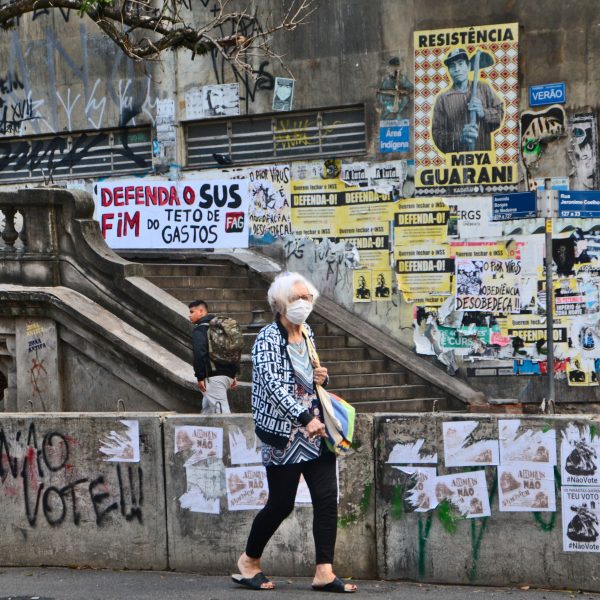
x: 282, y: 288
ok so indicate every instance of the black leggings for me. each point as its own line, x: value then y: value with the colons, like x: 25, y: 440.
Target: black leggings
x: 283, y: 482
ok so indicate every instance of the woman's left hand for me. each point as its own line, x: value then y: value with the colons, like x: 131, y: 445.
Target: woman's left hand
x: 319, y: 375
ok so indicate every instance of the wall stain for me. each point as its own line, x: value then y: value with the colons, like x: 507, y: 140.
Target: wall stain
x: 448, y: 516
x: 423, y: 539
x: 363, y: 506
x: 397, y: 502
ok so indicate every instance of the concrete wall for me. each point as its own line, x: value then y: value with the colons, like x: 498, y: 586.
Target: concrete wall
x: 68, y: 501
x: 506, y: 548
x: 65, y: 502
x: 211, y: 543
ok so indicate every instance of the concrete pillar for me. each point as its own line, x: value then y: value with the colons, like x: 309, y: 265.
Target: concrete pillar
x: 38, y: 374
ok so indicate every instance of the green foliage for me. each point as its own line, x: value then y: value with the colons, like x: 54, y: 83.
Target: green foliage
x: 87, y: 5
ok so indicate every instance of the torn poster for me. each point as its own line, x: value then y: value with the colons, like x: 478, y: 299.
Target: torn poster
x: 519, y: 443
x: 526, y: 487
x: 122, y: 445
x: 580, y: 518
x: 199, y: 443
x: 467, y: 492
x: 421, y: 497
x: 205, y: 486
x: 466, y: 444
x: 247, y: 487
x: 579, y: 452
x: 411, y: 453
x: 243, y: 451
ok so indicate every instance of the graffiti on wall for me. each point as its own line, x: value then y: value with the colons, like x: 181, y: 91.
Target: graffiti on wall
x: 583, y: 152
x: 539, y: 129
x: 41, y: 476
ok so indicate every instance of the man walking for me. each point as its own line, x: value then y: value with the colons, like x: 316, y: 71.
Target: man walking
x: 214, y: 379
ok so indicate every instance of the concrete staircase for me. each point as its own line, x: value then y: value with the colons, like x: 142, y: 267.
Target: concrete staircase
x: 358, y: 373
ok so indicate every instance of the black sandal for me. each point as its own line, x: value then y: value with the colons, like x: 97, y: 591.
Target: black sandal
x: 337, y: 586
x: 253, y: 583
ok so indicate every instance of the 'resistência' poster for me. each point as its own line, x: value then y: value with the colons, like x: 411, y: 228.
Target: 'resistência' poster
x: 466, y: 110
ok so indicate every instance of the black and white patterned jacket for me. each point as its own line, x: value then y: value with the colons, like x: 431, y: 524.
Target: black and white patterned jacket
x: 274, y: 406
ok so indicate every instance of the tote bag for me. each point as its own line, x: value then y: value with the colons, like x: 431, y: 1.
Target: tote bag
x: 338, y: 415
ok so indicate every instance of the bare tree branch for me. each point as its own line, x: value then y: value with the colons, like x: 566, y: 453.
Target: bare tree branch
x: 144, y: 31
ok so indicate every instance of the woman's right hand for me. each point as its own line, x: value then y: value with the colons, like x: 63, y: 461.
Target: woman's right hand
x: 315, y: 428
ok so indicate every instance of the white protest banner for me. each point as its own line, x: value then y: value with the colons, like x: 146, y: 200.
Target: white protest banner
x: 162, y: 214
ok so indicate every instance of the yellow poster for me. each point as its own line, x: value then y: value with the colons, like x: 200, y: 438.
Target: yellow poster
x: 362, y: 286
x: 420, y: 220
x: 466, y: 109
x: 330, y: 208
x: 423, y: 271
x: 383, y: 284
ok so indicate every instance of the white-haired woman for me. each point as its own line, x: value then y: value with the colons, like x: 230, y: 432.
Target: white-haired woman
x: 288, y: 420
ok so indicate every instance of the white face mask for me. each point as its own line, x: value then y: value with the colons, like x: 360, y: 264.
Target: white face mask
x: 297, y: 312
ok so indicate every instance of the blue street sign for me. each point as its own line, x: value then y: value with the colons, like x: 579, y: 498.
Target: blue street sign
x: 513, y: 206
x: 579, y: 205
x: 394, y: 135
x: 549, y: 93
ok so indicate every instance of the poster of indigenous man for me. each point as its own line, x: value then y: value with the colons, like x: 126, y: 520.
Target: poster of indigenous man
x: 466, y: 110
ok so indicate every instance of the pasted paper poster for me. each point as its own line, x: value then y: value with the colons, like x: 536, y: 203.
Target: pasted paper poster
x: 412, y: 453
x: 457, y: 150
x: 205, y: 487
x: 467, y: 492
x: 421, y: 497
x: 424, y: 270
x: 466, y: 444
x: 244, y: 451
x: 420, y: 221
x: 247, y: 487
x: 519, y: 442
x: 579, y: 453
x: 270, y: 211
x: 362, y: 286
x: 122, y: 444
x: 199, y: 443
x: 488, y: 285
x: 580, y: 518
x: 526, y: 487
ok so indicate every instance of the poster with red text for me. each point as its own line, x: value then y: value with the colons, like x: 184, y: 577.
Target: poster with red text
x: 161, y: 214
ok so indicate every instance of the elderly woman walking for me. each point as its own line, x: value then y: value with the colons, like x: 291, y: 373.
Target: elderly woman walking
x: 288, y: 420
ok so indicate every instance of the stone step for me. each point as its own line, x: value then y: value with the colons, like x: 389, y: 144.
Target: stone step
x: 405, y: 405
x: 224, y: 307
x: 359, y: 380
x: 190, y: 270
x: 324, y: 341
x: 219, y: 293
x: 209, y: 281
x: 379, y: 393
x: 240, y: 401
x: 347, y: 354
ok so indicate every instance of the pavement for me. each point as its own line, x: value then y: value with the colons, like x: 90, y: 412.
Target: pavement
x: 86, y: 584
